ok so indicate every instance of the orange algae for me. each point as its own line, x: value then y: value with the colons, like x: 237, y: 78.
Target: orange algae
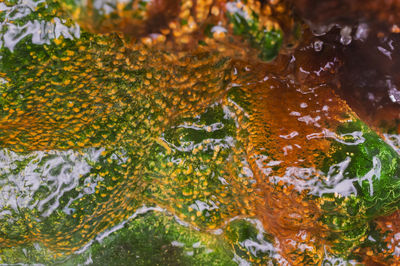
x: 284, y: 122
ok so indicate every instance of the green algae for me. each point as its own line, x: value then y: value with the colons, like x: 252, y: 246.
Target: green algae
x: 373, y: 167
x: 152, y: 238
x: 267, y: 41
x: 156, y: 239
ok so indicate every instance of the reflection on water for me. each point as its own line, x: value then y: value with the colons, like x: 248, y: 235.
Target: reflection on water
x: 55, y: 172
x: 40, y: 30
x: 186, y: 139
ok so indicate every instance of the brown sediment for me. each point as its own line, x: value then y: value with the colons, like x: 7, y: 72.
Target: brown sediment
x: 274, y: 90
x: 364, y: 73
x: 369, y: 64
x: 289, y: 102
x: 369, y: 73
x: 389, y: 226
x: 378, y: 14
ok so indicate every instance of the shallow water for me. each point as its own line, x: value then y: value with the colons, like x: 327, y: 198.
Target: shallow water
x: 128, y: 141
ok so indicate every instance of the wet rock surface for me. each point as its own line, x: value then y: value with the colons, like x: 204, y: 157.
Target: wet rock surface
x: 219, y: 133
